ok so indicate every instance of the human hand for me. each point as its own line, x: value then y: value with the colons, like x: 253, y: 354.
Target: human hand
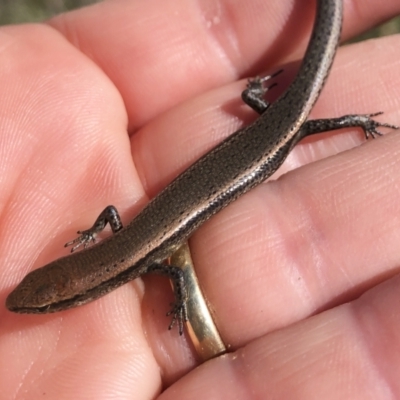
x: 306, y: 244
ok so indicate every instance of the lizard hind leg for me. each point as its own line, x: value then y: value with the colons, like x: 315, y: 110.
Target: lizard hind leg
x: 179, y: 308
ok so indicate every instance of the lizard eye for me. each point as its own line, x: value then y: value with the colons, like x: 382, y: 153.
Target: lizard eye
x: 43, y: 295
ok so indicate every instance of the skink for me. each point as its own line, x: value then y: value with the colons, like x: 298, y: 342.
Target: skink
x: 239, y: 163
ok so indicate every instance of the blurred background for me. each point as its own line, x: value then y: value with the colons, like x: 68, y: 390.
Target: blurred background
x: 18, y: 11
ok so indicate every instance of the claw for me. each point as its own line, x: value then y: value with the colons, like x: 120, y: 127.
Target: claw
x: 85, y: 239
x: 370, y: 126
x: 179, y: 314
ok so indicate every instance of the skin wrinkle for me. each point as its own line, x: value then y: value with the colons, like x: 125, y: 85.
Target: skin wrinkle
x: 311, y: 242
x: 71, y: 35
x: 239, y: 366
x: 218, y: 21
x: 329, y: 340
x: 315, y: 239
x: 379, y: 328
x: 303, y: 237
x: 355, y: 8
x: 359, y: 329
x: 317, y: 258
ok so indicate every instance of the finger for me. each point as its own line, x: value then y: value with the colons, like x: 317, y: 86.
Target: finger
x: 350, y: 352
x: 363, y: 15
x: 159, y: 53
x: 312, y: 240
x: 55, y: 131
x: 64, y: 155
x: 161, y: 150
x: 271, y: 258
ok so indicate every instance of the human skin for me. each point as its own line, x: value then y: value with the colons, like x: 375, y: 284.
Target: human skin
x: 107, y: 104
